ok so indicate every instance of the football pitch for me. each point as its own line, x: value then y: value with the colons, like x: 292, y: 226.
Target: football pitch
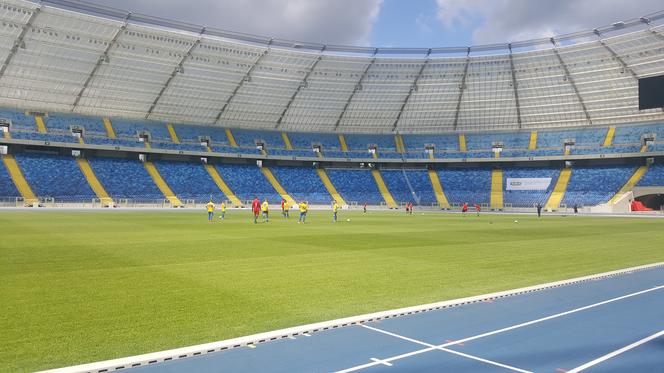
x: 82, y: 286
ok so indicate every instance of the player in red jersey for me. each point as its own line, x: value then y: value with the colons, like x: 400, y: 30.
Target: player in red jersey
x: 464, y: 208
x: 478, y: 208
x: 256, y: 208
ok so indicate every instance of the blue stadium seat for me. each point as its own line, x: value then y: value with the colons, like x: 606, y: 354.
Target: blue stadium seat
x: 60, y: 123
x: 441, y: 143
x: 595, y: 185
x: 248, y: 138
x: 247, y: 182
x: 302, y: 140
x: 125, y: 178
x: 43, y: 136
x: 189, y: 181
x: 192, y: 134
x: 7, y: 187
x: 484, y: 141
x: 356, y: 185
x: 409, y: 186
x: 360, y: 142
x: 19, y: 119
x: 302, y: 184
x: 128, y: 128
x: 654, y: 176
x: 472, y: 185
x: 631, y: 134
x: 54, y: 176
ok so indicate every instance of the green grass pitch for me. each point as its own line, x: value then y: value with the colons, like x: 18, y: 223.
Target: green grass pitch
x: 78, y: 287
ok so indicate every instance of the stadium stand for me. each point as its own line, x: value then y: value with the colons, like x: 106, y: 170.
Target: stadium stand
x: 7, y: 187
x: 125, y: 179
x: 409, y: 186
x: 355, y: 186
x: 303, y: 184
x: 654, y: 176
x: 466, y: 185
x: 528, y: 198
x: 247, y: 182
x: 189, y: 181
x: 53, y: 176
x: 590, y: 186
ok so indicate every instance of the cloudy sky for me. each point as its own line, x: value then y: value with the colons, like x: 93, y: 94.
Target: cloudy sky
x: 396, y: 23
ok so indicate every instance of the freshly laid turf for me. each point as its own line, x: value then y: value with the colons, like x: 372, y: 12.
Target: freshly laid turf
x: 77, y: 287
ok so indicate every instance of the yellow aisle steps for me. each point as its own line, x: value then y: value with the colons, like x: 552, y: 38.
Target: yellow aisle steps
x: 231, y: 138
x: 438, y: 190
x: 19, y: 180
x: 287, y: 142
x: 147, y: 145
x: 174, y: 135
x: 96, y: 186
x: 277, y: 186
x: 532, y: 145
x: 629, y: 185
x: 110, y: 132
x: 161, y: 184
x: 462, y: 142
x: 608, y: 140
x: 398, y: 141
x: 496, y: 189
x: 496, y: 154
x: 7, y: 135
x: 41, y: 126
x: 223, y: 186
x: 330, y: 187
x: 559, y: 190
x: 387, y: 196
x: 644, y: 148
x: 431, y: 156
x: 342, y: 142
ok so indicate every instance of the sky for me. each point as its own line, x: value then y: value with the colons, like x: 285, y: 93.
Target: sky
x: 396, y: 23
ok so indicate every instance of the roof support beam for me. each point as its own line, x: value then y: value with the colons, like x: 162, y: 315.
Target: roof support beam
x: 176, y: 70
x: 18, y: 43
x: 462, y: 87
x: 412, y: 89
x: 102, y: 58
x: 303, y: 83
x: 358, y: 87
x: 569, y: 78
x: 246, y: 77
x: 514, y: 85
x: 615, y: 55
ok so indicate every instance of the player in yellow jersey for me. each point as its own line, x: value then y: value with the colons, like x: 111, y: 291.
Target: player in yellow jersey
x: 335, y: 208
x: 210, y: 210
x: 265, y: 206
x: 303, y: 212
x: 222, y: 207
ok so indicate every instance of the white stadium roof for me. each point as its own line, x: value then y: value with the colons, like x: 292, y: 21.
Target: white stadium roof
x: 70, y: 56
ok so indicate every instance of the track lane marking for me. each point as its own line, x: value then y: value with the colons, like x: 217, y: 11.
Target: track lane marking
x: 616, y: 352
x: 434, y: 347
x: 383, y: 362
x: 502, y: 330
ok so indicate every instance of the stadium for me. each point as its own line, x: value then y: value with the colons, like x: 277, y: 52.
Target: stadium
x: 484, y: 208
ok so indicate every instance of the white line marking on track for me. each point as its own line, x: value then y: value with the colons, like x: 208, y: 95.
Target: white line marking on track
x: 434, y: 347
x: 616, y: 353
x: 379, y: 361
x: 306, y: 334
x: 517, y: 326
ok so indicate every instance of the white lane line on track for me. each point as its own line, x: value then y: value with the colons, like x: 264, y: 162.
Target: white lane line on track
x: 379, y: 361
x: 528, y: 323
x: 434, y: 347
x: 616, y: 353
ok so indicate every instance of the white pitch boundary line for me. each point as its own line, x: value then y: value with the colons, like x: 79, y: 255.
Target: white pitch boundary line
x: 434, y: 347
x: 202, y: 349
x: 616, y: 353
x: 516, y: 326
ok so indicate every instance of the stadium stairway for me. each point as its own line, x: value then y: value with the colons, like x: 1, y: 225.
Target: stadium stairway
x: 438, y: 190
x: 398, y: 141
x: 41, y: 126
x: 277, y: 186
x: 214, y: 174
x: 532, y: 144
x: 7, y: 135
x: 231, y: 138
x: 342, y: 142
x: 95, y: 184
x: 19, y: 180
x: 330, y: 187
x: 161, y: 184
x: 610, y: 133
x: 496, y: 189
x: 559, y: 190
x: 174, y: 135
x: 387, y: 196
x: 289, y: 145
x: 462, y: 143
x: 629, y: 185
x: 110, y: 132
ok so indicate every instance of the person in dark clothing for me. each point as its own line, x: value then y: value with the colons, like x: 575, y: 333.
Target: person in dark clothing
x: 576, y: 209
x: 539, y: 210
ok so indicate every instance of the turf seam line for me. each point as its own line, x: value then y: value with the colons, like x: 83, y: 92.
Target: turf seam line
x: 186, y: 352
